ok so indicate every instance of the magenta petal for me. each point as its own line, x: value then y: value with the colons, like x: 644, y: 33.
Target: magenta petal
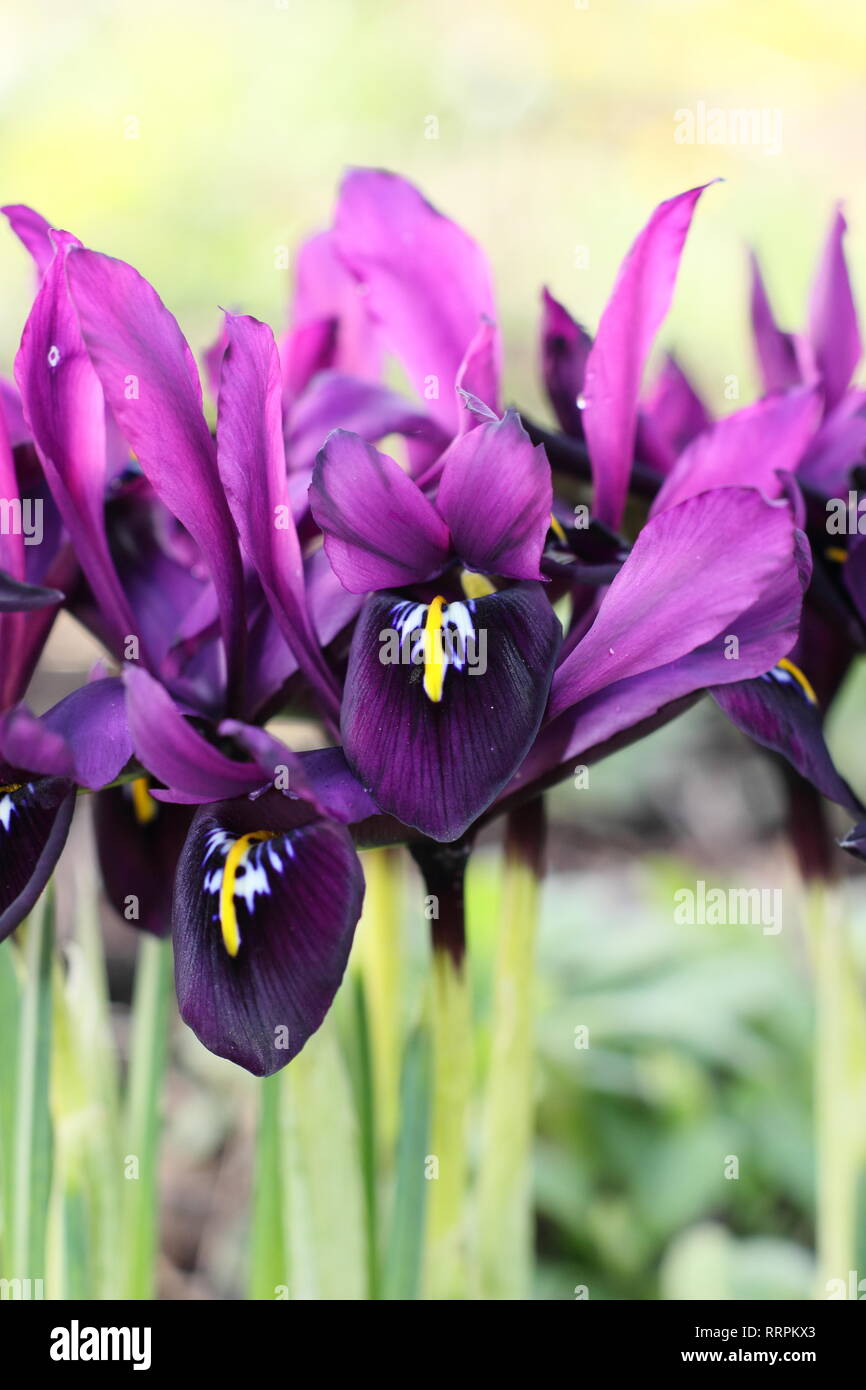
x: 496, y: 495
x: 639, y: 302
x: 671, y: 416
x: 92, y: 722
x: 747, y: 449
x: 252, y: 465
x: 778, y: 359
x: 380, y: 530
x: 564, y: 351
x: 833, y: 327
x: 330, y: 324
x: 479, y: 372
x: 65, y: 409
x: 151, y: 382
x: 428, y: 284
x: 692, y: 574
x: 33, y: 232
x: 335, y: 400
x: 173, y: 751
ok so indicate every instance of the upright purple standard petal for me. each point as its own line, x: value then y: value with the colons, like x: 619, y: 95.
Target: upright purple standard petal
x: 435, y: 746
x: 639, y: 302
x: 65, y: 410
x: 266, y: 903
x: 671, y: 416
x: 33, y: 232
x: 565, y: 348
x: 776, y: 350
x: 833, y: 327
x: 428, y: 284
x: 151, y: 382
x: 380, y: 530
x: 496, y: 495
x: 252, y: 465
x: 750, y: 448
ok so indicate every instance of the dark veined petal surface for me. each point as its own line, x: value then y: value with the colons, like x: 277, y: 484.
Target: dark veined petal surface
x: 34, y: 822
x: 265, y: 907
x: 435, y: 744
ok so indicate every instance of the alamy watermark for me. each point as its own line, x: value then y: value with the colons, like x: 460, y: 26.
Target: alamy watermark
x: 760, y: 127
x: 729, y: 907
x: 22, y: 517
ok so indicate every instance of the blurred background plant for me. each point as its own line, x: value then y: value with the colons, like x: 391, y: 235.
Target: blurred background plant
x: 200, y: 142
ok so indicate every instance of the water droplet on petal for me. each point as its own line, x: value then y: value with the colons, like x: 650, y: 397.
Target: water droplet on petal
x: 53, y: 355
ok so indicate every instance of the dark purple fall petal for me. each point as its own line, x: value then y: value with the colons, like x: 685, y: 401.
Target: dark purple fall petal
x: 34, y: 823
x: 779, y: 711
x: 138, y: 842
x: 296, y: 902
x: 437, y: 766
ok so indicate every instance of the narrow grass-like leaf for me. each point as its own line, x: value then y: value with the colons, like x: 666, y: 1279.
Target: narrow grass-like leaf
x: 32, y: 1161
x: 401, y: 1272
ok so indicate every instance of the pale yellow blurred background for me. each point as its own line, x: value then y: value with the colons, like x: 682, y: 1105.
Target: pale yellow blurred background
x: 555, y: 131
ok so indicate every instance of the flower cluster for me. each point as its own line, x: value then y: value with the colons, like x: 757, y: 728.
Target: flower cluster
x: 464, y: 625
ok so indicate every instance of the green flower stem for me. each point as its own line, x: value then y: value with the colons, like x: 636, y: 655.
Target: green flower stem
x: 447, y: 1273
x: 32, y: 1136
x: 505, y: 1182
x: 381, y: 972
x: 268, y: 1266
x: 148, y: 1047
x: 840, y: 1069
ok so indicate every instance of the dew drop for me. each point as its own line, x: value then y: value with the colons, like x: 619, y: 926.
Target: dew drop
x: 53, y: 355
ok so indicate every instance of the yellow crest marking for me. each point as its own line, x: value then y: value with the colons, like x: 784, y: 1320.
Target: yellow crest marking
x: 801, y: 680
x: 228, y: 915
x: 836, y: 553
x: 143, y: 804
x: 434, y: 651
x: 556, y: 528
x: 475, y: 585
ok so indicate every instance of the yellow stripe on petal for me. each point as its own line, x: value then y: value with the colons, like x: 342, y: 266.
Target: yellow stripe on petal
x: 556, y: 528
x: 836, y: 554
x: 143, y: 804
x: 475, y: 585
x: 434, y: 651
x: 802, y: 681
x: 228, y: 913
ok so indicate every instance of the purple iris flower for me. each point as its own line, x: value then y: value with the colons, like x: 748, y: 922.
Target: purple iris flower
x: 448, y: 674
x: 800, y: 440
x: 421, y: 630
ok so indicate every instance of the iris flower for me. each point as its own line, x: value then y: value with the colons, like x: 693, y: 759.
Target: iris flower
x: 244, y: 593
